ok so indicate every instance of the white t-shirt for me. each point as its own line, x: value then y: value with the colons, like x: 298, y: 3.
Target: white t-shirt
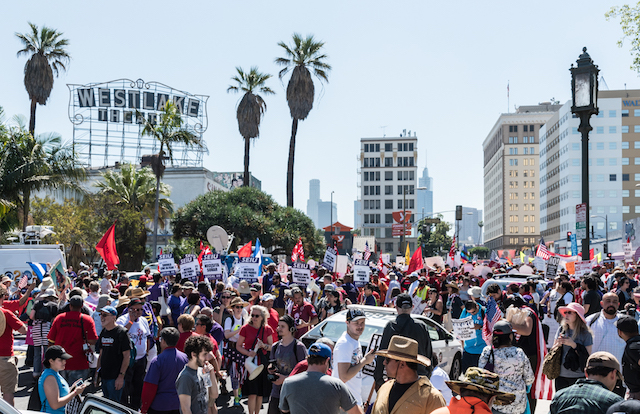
x: 105, y: 286
x: 438, y: 379
x: 139, y: 333
x: 348, y: 350
x: 233, y: 324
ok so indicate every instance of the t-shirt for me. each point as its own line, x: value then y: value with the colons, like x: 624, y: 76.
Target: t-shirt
x: 191, y: 382
x: 183, y: 338
x: 112, y: 344
x: 250, y: 333
x: 592, y: 298
x: 584, y: 338
x: 348, y: 350
x: 370, y: 300
x: 217, y: 332
x: 278, y: 292
x: 174, y: 304
x: 139, y: 333
x: 105, y: 286
x: 273, y: 322
x: 233, y: 324
x: 287, y: 357
x: 304, y: 312
x: 397, y: 391
x: 6, y: 340
x: 476, y: 345
x: 12, y: 305
x: 328, y: 395
x: 67, y: 333
x: 163, y: 371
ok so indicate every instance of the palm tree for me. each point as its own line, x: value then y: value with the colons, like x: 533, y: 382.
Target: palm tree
x: 136, y: 188
x: 48, y: 56
x: 168, y: 131
x: 304, y: 54
x: 250, y: 109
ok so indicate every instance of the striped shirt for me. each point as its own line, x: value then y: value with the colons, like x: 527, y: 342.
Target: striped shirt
x: 605, y: 335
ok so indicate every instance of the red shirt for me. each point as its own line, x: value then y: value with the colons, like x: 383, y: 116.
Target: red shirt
x: 249, y: 333
x: 183, y: 338
x: 66, y: 332
x: 215, y: 344
x: 6, y: 340
x: 13, y: 305
x: 303, y: 366
x: 304, y: 312
x: 274, y: 317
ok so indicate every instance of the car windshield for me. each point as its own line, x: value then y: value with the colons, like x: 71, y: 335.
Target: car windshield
x: 334, y: 329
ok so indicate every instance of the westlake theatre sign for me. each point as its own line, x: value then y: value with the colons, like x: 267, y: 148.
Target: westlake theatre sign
x: 108, y: 120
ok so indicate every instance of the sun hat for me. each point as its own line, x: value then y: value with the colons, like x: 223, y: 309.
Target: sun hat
x: 481, y: 380
x: 237, y: 301
x: 355, y: 314
x: 189, y: 285
x: 453, y: 285
x: 475, y: 291
x: 574, y: 307
x: 47, y: 293
x: 6, y: 279
x: 604, y: 359
x: 404, y: 349
x: 138, y: 293
x: 243, y: 287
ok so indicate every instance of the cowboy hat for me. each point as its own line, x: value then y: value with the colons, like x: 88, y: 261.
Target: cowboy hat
x: 404, y: 349
x: 47, y: 283
x: 47, y: 293
x: 243, y: 287
x: 237, y: 301
x: 138, y: 293
x: 481, y: 380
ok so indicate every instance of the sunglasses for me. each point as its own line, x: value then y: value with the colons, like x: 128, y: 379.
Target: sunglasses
x: 569, y: 313
x: 256, y: 316
x: 237, y: 307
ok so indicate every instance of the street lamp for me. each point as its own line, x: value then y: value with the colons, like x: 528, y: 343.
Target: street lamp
x: 584, y: 90
x: 331, y: 209
x: 606, y: 232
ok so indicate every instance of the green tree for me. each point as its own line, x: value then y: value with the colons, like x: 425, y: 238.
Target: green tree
x: 436, y: 241
x: 248, y: 213
x: 630, y: 23
x: 136, y: 188
x: 48, y: 56
x: 250, y: 109
x: 481, y: 251
x: 303, y: 54
x: 168, y: 131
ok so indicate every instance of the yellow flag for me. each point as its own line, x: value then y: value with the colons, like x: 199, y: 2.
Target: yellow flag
x: 407, y: 255
x: 599, y: 257
x: 522, y: 258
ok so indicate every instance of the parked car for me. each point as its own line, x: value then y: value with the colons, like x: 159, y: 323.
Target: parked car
x: 90, y: 404
x: 504, y: 281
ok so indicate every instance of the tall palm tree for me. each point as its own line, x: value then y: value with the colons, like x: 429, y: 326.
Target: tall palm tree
x: 303, y: 55
x: 250, y: 109
x: 168, y: 131
x: 136, y: 188
x: 48, y: 54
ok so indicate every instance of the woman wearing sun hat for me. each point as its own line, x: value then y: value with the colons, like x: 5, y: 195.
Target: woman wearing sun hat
x: 576, y: 339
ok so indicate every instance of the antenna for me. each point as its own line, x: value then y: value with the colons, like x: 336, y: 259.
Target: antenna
x: 384, y: 130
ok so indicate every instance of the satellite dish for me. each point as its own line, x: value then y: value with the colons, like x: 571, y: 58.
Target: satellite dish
x: 217, y: 238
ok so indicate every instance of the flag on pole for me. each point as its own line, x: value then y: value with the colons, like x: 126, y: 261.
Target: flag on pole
x: 416, y: 262
x: 203, y: 250
x: 257, y: 252
x: 522, y: 258
x: 39, y: 269
x: 380, y: 263
x: 298, y: 252
x: 106, y: 247
x: 493, y: 315
x: 542, y: 251
x: 367, y: 251
x: 464, y: 255
x: 452, y: 250
x: 245, y: 251
x: 407, y: 254
x: 24, y: 281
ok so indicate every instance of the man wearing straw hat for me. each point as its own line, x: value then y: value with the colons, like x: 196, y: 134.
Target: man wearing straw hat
x: 478, y: 390
x: 407, y: 392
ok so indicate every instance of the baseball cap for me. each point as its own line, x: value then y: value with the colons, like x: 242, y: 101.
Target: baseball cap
x: 188, y: 285
x: 321, y: 350
x: 256, y: 287
x: 404, y: 301
x: 627, y: 324
x: 56, y: 351
x: 109, y: 309
x: 502, y: 327
x: 604, y: 359
x: 355, y: 314
x: 76, y: 301
x: 268, y: 296
x: 625, y: 407
x: 134, y: 301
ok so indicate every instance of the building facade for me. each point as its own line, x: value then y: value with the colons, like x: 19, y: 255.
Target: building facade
x: 387, y: 179
x: 511, y: 193
x: 425, y: 197
x: 322, y: 213
x: 470, y: 231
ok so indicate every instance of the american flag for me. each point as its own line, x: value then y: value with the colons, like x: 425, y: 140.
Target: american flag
x: 452, y: 250
x: 542, y: 250
x: 380, y: 263
x: 298, y: 251
x: 367, y: 252
x: 493, y: 315
x: 23, y: 282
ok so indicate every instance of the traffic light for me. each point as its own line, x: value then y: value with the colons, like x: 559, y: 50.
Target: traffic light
x: 458, y: 212
x: 568, y: 236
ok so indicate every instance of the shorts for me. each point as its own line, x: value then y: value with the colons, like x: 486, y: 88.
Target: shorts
x: 8, y: 374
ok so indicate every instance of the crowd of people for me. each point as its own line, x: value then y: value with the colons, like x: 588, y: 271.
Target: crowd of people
x: 166, y: 345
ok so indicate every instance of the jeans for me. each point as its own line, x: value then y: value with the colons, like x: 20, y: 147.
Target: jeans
x: 109, y: 390
x: 469, y: 360
x: 75, y: 375
x: 133, y: 380
x: 38, y: 354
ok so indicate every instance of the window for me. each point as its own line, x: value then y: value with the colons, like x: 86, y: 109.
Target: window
x: 624, y: 113
x: 575, y: 162
x: 574, y: 130
x: 637, y: 209
x: 636, y: 177
x: 532, y: 140
x: 612, y: 177
x: 388, y: 189
x: 600, y: 210
x: 575, y: 194
x: 400, y: 190
x: 613, y: 194
x: 400, y: 203
x: 599, y: 145
x: 525, y: 128
x: 624, y: 145
x: 624, y: 161
x: 399, y: 175
x: 526, y: 151
x: 525, y: 140
x: 600, y: 178
x: 636, y: 193
x: 388, y: 162
x: 526, y: 161
x: 613, y: 225
x: 366, y: 147
x: 636, y: 112
x: 625, y: 177
x: 388, y: 175
x: 600, y: 130
x: 531, y: 150
x: 612, y: 114
x: 530, y: 128
x: 613, y: 209
x: 526, y: 229
x: 388, y: 218
x: 612, y: 130
x: 411, y: 146
x: 410, y: 161
x: 388, y: 147
x: 636, y: 128
x: 636, y: 144
x: 636, y: 161
x: 513, y: 128
x: 625, y: 193
x: 599, y: 162
x: 532, y: 161
x: 575, y: 178
x: 575, y: 146
x: 625, y: 209
x: 600, y: 193
x: 625, y: 129
x: 388, y: 204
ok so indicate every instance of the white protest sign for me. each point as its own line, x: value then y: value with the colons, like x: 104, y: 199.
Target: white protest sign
x: 539, y: 263
x: 247, y: 269
x: 342, y: 262
x: 435, y: 261
x: 386, y: 258
x: 552, y: 267
x: 628, y: 252
x: 361, y: 272
x: 582, y: 268
x: 300, y: 274
x: 166, y: 264
x: 189, y: 268
x: 517, y: 261
x: 212, y: 266
x: 463, y: 328
x: 330, y: 258
x: 400, y: 260
x: 374, y: 344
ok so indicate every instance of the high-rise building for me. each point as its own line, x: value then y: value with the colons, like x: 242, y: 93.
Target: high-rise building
x: 320, y: 212
x: 469, y: 230
x: 511, y: 171
x: 327, y: 213
x: 614, y: 159
x: 425, y: 197
x: 387, y: 181
x: 357, y: 217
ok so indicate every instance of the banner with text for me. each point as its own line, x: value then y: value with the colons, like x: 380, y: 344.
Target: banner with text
x: 247, y: 269
x: 189, y: 268
x: 212, y: 266
x: 361, y: 272
x: 300, y: 274
x: 582, y: 268
x: 330, y: 257
x: 166, y: 264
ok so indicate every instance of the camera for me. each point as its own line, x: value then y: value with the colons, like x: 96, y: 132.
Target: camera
x: 272, y: 367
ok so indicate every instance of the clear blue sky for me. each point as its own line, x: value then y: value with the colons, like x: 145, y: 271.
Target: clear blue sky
x: 438, y: 68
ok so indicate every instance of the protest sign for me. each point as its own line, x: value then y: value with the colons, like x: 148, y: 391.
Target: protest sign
x: 582, y: 268
x: 361, y: 272
x: 189, y: 268
x: 628, y: 252
x: 552, y: 267
x: 166, y: 264
x: 330, y: 258
x: 247, y: 269
x: 212, y: 266
x: 517, y: 261
x: 400, y: 260
x: 386, y: 258
x: 300, y: 274
x: 433, y: 262
x: 538, y: 262
x: 463, y: 328
x: 374, y: 344
x: 342, y: 263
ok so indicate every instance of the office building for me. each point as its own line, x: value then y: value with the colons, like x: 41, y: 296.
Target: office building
x: 320, y: 212
x: 387, y: 179
x: 424, y: 197
x: 469, y: 230
x: 511, y: 171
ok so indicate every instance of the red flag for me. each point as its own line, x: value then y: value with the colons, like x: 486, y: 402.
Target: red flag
x: 416, y: 262
x: 245, y: 251
x: 203, y: 250
x: 106, y: 247
x: 298, y: 251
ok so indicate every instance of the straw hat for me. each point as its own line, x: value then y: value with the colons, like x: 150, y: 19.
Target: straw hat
x: 481, y: 380
x: 138, y: 293
x: 243, y: 287
x: 404, y: 349
x: 238, y: 301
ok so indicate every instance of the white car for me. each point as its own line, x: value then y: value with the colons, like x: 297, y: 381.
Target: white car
x: 89, y: 404
x: 506, y: 280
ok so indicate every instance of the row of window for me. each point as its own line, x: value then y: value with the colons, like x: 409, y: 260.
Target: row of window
x: 525, y: 173
x: 388, y: 175
x: 388, y: 189
x: 612, y: 129
x: 526, y: 196
x: 525, y: 128
x: 526, y: 151
x: 526, y: 207
x: 388, y: 204
x: 527, y: 184
x: 388, y: 162
x: 513, y: 162
x: 388, y: 219
x: 402, y: 146
x: 600, y: 162
x: 525, y: 140
x: 525, y: 229
x: 525, y: 240
x: 514, y: 219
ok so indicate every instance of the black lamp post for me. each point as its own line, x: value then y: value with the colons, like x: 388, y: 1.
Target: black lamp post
x: 584, y: 89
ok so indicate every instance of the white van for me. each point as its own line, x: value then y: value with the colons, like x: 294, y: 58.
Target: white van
x: 14, y: 258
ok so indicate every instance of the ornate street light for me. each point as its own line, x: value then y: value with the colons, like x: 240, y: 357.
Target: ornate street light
x: 584, y: 89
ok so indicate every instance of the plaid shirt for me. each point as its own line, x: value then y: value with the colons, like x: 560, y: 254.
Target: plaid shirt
x: 585, y: 397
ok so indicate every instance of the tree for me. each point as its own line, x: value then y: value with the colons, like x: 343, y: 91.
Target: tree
x: 630, y: 22
x: 136, y: 188
x: 247, y: 213
x: 437, y: 241
x: 481, y: 251
x: 303, y: 54
x: 48, y: 55
x: 168, y: 131
x: 250, y: 109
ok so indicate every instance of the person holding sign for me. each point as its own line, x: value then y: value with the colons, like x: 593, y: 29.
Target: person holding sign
x: 473, y: 347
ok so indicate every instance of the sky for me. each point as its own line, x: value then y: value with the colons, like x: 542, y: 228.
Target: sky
x: 439, y: 69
